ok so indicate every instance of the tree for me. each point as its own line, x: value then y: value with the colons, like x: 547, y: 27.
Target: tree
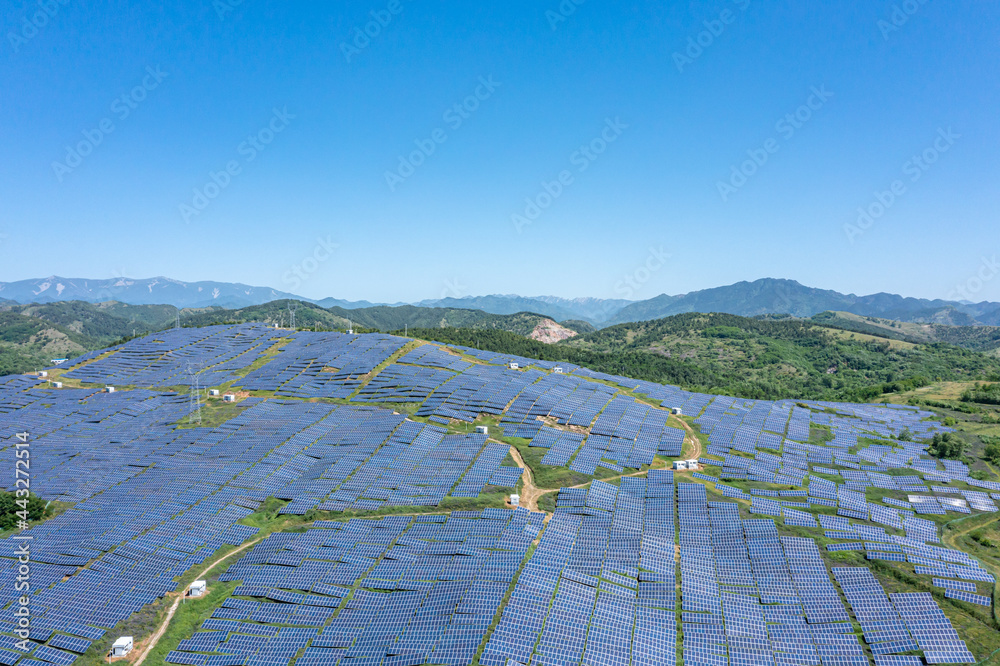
x: 946, y: 446
x: 9, y: 508
x: 993, y: 453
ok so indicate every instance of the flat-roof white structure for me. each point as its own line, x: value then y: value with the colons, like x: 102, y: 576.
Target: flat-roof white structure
x: 676, y: 410
x: 229, y: 397
x: 515, y: 500
x: 198, y: 588
x: 109, y: 389
x: 214, y: 392
x: 56, y: 384
x: 557, y: 370
x: 680, y: 464
x: 43, y: 373
x: 513, y: 366
x: 482, y: 430
x: 122, y: 646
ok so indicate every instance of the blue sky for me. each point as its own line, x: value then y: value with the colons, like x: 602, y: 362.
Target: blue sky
x: 590, y: 141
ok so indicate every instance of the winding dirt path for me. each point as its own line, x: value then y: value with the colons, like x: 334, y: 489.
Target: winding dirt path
x: 530, y: 493
x: 179, y: 596
x: 695, y: 442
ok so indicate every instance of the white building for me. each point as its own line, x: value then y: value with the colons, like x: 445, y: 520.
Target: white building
x: 680, y: 464
x: 109, y: 389
x: 229, y: 397
x: 557, y: 370
x: 43, y: 373
x: 482, y: 430
x: 676, y: 410
x: 515, y: 501
x: 198, y: 588
x: 56, y: 384
x: 122, y: 646
x: 513, y: 366
x: 214, y: 392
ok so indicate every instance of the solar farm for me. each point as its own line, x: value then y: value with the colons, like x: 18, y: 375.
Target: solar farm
x: 353, y: 506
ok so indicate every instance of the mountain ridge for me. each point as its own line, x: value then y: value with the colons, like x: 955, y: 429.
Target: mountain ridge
x: 766, y: 296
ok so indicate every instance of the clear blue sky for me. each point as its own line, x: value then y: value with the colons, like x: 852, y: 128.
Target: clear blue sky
x: 678, y: 120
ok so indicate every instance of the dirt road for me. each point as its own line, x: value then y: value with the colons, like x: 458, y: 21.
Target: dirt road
x: 179, y: 596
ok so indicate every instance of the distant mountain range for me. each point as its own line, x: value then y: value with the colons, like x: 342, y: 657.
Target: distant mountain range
x: 748, y: 299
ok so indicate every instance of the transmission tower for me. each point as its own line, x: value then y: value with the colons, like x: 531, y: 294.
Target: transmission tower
x: 178, y: 318
x: 291, y: 314
x: 194, y: 411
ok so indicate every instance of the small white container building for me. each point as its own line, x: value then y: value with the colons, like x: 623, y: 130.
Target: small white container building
x: 513, y: 365
x: 693, y: 464
x: 229, y: 397
x: 213, y: 392
x: 56, y: 384
x: 482, y: 430
x: 43, y: 373
x: 680, y: 464
x: 109, y: 389
x: 676, y: 411
x: 557, y: 370
x: 198, y: 588
x: 515, y: 501
x: 122, y: 646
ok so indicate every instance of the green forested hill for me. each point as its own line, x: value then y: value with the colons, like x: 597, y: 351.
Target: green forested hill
x: 792, y: 356
x: 978, y: 338
x: 379, y: 318
x: 749, y: 358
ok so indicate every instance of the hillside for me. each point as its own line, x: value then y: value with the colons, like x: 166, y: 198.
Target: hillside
x: 28, y: 343
x: 978, y: 338
x: 792, y: 357
x: 383, y: 318
x: 746, y: 357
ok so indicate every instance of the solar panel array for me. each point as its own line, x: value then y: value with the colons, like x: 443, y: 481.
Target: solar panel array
x: 322, y: 365
x: 154, y: 500
x: 411, y: 591
x: 166, y: 358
